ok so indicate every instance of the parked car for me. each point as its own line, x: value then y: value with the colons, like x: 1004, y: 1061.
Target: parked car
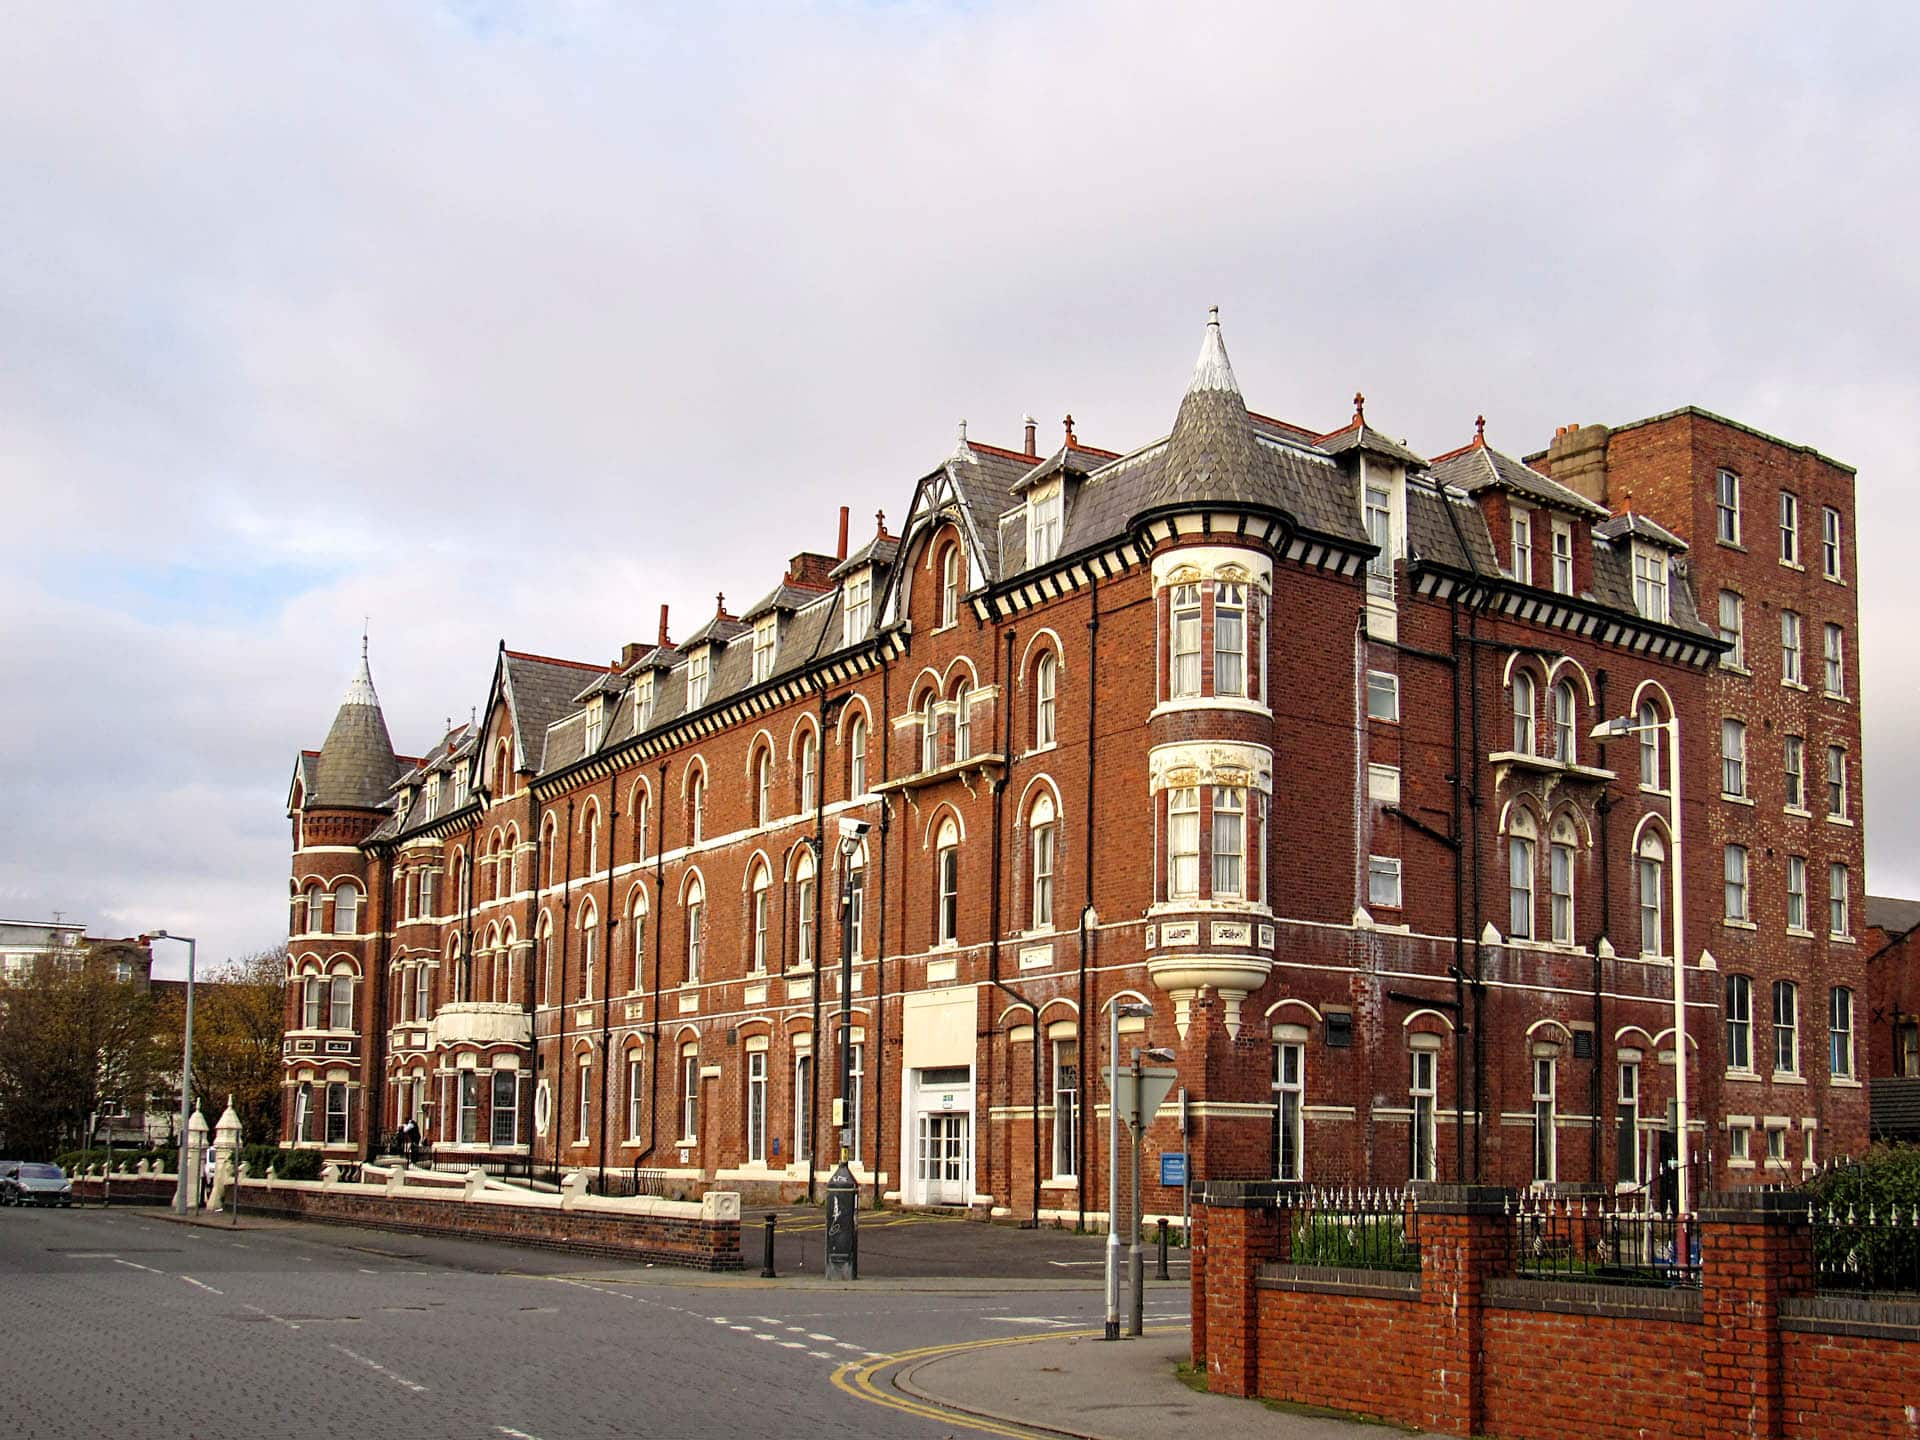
x: 32, y: 1183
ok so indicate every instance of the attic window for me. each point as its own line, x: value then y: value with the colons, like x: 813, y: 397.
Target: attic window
x: 596, y: 722
x: 859, y: 609
x: 1650, y: 582
x: 697, y: 679
x: 1044, y: 510
x: 766, y: 635
x: 643, y: 702
x: 459, y: 786
x: 433, y: 796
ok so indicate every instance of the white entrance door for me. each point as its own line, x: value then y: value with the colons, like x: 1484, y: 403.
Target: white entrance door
x: 944, y: 1153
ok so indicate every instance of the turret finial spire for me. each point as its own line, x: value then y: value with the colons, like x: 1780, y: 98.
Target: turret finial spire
x: 1211, y: 371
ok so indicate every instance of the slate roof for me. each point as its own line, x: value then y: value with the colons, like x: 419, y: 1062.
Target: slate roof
x: 540, y: 689
x: 880, y: 550
x: 1361, y: 436
x: 1639, y: 527
x: 1431, y: 536
x: 718, y: 630
x: 356, y: 764
x: 1481, y: 467
x: 783, y: 597
x: 1893, y: 1105
x: 1895, y: 916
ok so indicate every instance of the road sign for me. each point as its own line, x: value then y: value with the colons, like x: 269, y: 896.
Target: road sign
x: 1173, y: 1168
x: 1155, y: 1083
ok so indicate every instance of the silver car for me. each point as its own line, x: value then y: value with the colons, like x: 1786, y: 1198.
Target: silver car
x: 32, y: 1183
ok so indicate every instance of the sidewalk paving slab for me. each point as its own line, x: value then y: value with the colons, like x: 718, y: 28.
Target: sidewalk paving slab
x: 1108, y: 1390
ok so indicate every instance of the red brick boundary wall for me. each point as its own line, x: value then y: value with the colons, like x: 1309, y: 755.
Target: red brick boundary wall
x: 1467, y: 1347
x: 127, y: 1189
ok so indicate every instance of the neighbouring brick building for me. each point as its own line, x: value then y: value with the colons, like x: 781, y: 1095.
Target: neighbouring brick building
x: 1297, y: 735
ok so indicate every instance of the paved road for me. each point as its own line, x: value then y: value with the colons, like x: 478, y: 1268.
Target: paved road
x: 125, y: 1323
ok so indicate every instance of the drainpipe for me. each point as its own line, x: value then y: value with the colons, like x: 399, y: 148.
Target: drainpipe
x: 819, y: 967
x: 606, y: 967
x: 1460, y: 938
x: 1087, y: 937
x: 1604, y: 808
x: 659, y: 924
x: 539, y: 815
x: 374, y: 1052
x: 560, y: 1064
x: 880, y: 947
x: 1002, y: 680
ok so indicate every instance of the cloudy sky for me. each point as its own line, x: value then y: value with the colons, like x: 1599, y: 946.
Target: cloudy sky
x: 493, y: 320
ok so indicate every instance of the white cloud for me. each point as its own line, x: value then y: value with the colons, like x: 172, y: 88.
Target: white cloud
x: 484, y: 314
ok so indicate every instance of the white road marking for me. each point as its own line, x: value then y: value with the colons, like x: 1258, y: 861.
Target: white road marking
x: 823, y: 1339
x: 1026, y: 1320
x: 819, y: 1355
x: 763, y: 1337
x: 203, y: 1285
x: 845, y: 1346
x: 793, y: 1344
x: 135, y: 1265
x: 745, y: 1328
x: 375, y: 1365
x: 277, y: 1319
x: 513, y: 1434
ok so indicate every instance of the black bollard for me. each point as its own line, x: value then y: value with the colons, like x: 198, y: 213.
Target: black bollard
x: 1161, y: 1273
x: 766, y: 1264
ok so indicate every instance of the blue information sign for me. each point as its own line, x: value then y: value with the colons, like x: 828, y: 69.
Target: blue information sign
x: 1173, y: 1167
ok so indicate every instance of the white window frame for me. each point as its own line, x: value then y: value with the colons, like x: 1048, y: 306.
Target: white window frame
x: 1522, y: 857
x: 858, y: 615
x: 809, y: 771
x: 1289, y: 1109
x: 1786, y: 1028
x: 803, y: 1082
x: 1738, y: 1011
x: 856, y: 757
x: 1560, y: 857
x: 1789, y: 529
x: 1627, y: 1143
x: 695, y: 906
x: 1046, y: 690
x: 1735, y: 871
x: 698, y: 677
x: 1726, y: 507
x: 1046, y: 509
x: 1792, y: 648
x: 766, y: 637
x: 962, y: 721
x: 1523, y: 546
x: 1565, y: 708
x: 1839, y: 798
x: 1793, y: 767
x: 1183, y: 843
x: 1546, y: 1120
x: 1733, y: 758
x: 1230, y: 638
x: 930, y: 732
x: 1423, y: 1103
x: 950, y: 586
x: 1733, y: 629
x: 1384, y: 882
x: 1562, y: 539
x: 1041, y: 834
x: 1185, y: 624
x: 634, y: 1093
x: 1383, y: 685
x: 756, y: 1107
x: 1832, y: 544
x: 947, y: 880
x: 1526, y: 727
x: 1834, y: 670
x: 1228, y: 877
x: 759, y: 917
x: 689, y: 1095
x: 1066, y: 1107
x: 1377, y: 511
x: 1651, y: 583
x: 1840, y: 1032
x: 1797, y: 893
x: 1839, y: 901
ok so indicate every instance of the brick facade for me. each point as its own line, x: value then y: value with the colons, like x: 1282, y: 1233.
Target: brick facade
x: 1154, y: 772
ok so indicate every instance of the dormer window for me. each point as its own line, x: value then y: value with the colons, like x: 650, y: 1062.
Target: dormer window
x: 1650, y: 583
x: 859, y: 609
x: 596, y: 722
x: 459, y: 786
x: 766, y: 636
x: 1379, y: 518
x: 1563, y: 557
x: 433, y: 796
x: 643, y: 701
x: 1523, y: 547
x: 697, y: 679
x: 1044, y: 511
x: 950, y: 586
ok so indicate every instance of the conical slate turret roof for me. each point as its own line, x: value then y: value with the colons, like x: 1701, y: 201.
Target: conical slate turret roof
x: 1211, y: 454
x: 356, y: 765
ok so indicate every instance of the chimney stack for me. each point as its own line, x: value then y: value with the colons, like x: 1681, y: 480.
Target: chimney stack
x: 1577, y: 458
x: 663, y: 641
x: 840, y: 552
x: 1032, y: 441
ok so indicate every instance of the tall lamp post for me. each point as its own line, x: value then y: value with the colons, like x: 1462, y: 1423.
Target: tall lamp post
x: 183, y: 1182
x: 1131, y: 1010
x: 843, y: 1192
x: 1620, y: 728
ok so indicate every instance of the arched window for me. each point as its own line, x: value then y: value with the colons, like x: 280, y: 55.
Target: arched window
x: 510, y: 863
x: 962, y: 719
x: 340, y: 1004
x: 809, y: 770
x: 316, y: 914
x: 639, y: 921
x: 697, y: 805
x: 1563, y: 736
x: 763, y: 787
x: 930, y: 732
x: 1523, y: 713
x: 457, y: 963
x: 547, y: 996
x: 550, y: 843
x: 1183, y: 669
x: 1648, y: 723
x: 1651, y: 870
x: 502, y: 770
x: 950, y: 585
x: 947, y: 882
x: 1521, y: 838
x: 759, y: 908
x: 1229, y: 841
x: 1046, y: 676
x: 1040, y: 833
x: 803, y: 895
x: 856, y: 756
x: 641, y: 806
x: 1229, y: 638
x: 854, y: 918
x: 1560, y: 852
x: 695, y: 907
x: 589, y: 949
x: 1183, y: 843
x: 312, y: 998
x: 593, y: 839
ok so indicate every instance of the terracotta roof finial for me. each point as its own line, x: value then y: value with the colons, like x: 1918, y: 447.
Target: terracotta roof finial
x: 880, y: 522
x: 1359, y: 408
x: 1068, y: 422
x: 1479, y: 430
x: 720, y: 603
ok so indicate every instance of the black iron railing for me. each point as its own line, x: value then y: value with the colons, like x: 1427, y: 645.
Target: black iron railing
x: 1355, y: 1229
x: 1592, y: 1240
x: 1873, y: 1249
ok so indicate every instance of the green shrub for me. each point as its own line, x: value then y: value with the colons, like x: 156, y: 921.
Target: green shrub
x: 1360, y: 1242
x: 124, y: 1161
x: 1864, y: 1234
x: 301, y: 1164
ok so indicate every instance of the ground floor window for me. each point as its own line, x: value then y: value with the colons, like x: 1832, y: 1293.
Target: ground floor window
x: 1289, y: 1094
x: 633, y: 1094
x: 303, y: 1114
x: 1066, y: 1107
x: 1629, y: 1142
x: 506, y: 1107
x: 469, y: 1106
x: 757, y: 1107
x: 689, y: 1095
x: 803, y: 1107
x: 337, y: 1129
x: 1546, y: 1148
x: 856, y: 1095
x: 1422, y: 1091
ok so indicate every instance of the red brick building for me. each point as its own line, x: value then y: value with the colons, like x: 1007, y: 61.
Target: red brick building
x: 1292, y: 734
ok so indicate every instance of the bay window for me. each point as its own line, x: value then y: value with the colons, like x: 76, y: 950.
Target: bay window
x: 1183, y: 844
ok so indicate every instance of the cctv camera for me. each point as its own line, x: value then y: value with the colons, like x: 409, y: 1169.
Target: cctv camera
x: 1160, y: 1055
x: 851, y: 829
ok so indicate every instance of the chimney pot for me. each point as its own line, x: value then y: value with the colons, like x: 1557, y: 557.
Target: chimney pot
x: 664, y: 642
x: 841, y: 552
x: 1032, y: 438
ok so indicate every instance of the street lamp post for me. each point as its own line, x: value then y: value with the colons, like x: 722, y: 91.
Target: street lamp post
x: 1618, y: 729
x: 183, y: 1181
x: 843, y: 1191
x: 1132, y: 1010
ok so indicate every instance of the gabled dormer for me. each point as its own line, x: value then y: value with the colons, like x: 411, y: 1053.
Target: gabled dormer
x: 703, y: 649
x: 1377, y: 467
x: 1542, y: 531
x: 860, y: 577
x: 1652, y: 551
